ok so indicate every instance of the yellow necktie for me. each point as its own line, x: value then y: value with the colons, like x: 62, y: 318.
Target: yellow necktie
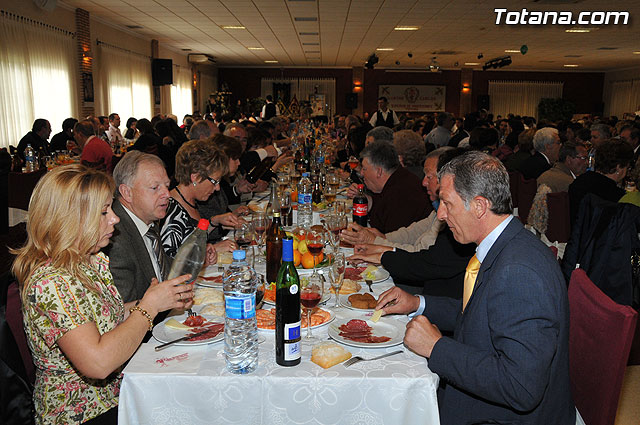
x: 470, y: 280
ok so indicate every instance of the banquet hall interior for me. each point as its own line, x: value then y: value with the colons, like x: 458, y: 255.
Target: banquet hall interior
x: 511, y: 68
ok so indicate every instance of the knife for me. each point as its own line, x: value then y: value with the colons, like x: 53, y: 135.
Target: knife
x: 166, y: 344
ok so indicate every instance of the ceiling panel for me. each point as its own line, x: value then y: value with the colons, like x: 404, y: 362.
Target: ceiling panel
x: 348, y: 31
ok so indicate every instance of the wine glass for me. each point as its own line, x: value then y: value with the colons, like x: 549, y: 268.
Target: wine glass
x: 337, y: 274
x: 315, y: 244
x: 283, y: 181
x: 330, y: 194
x: 285, y: 207
x: 353, y: 162
x: 243, y: 235
x: 310, y: 296
x: 260, y: 224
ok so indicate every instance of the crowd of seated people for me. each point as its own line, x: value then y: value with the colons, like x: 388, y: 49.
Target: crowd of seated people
x: 173, y: 175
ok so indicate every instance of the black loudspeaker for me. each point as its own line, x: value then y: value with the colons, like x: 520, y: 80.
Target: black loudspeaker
x: 484, y: 102
x: 162, y: 72
x: 351, y: 100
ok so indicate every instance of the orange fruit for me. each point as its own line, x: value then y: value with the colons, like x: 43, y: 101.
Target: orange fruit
x: 307, y: 260
x: 297, y: 257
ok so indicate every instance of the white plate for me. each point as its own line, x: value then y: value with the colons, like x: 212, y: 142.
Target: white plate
x: 343, y: 299
x: 394, y: 329
x: 210, y: 271
x: 165, y: 334
x: 380, y: 276
x: 326, y: 297
x: 333, y: 316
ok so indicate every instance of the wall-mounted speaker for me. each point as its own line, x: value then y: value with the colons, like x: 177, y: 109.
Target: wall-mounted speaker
x: 162, y: 72
x: 351, y: 100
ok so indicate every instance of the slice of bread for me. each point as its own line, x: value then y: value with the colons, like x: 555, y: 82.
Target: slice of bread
x: 327, y: 354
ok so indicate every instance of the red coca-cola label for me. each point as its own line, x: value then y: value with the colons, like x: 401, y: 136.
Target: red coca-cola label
x: 360, y: 210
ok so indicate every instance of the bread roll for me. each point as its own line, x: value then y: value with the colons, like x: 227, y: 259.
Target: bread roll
x: 348, y: 287
x: 327, y: 354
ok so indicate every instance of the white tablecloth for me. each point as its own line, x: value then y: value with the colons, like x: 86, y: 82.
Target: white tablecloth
x: 190, y: 385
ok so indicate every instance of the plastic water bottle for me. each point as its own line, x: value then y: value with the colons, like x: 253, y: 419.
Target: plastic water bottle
x: 240, y: 327
x: 305, y: 212
x: 190, y: 256
x: 29, y: 159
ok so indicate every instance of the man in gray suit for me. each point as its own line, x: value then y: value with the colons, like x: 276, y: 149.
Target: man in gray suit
x: 508, y: 359
x: 142, y: 197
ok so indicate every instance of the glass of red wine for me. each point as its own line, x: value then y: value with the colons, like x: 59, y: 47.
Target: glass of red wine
x: 260, y: 224
x: 310, y: 296
x: 315, y: 244
x: 285, y: 207
x: 243, y: 235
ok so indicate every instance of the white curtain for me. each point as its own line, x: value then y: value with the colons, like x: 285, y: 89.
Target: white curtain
x: 521, y: 97
x: 181, y: 92
x: 622, y: 97
x: 126, y: 80
x: 303, y: 87
x: 37, y: 75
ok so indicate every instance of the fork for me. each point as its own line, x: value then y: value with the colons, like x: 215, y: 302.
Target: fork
x: 356, y: 359
x: 369, y: 283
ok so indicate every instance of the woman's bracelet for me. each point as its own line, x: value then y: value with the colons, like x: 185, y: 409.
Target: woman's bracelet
x: 144, y: 313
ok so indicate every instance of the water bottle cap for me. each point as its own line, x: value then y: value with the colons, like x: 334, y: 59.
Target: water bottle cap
x: 203, y: 224
x: 360, y: 186
x: 239, y: 254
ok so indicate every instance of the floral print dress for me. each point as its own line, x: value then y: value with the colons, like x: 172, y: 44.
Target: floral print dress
x: 57, y: 303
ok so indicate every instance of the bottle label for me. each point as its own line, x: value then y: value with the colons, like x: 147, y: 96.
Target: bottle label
x: 292, y: 341
x: 240, y: 306
x: 360, y: 210
x: 304, y: 198
x: 293, y: 289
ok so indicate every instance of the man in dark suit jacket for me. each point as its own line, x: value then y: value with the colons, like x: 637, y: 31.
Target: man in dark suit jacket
x: 142, y: 188
x: 546, y: 142
x: 508, y: 359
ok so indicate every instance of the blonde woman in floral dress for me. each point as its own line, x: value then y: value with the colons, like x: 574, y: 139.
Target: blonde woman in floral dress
x: 79, y: 331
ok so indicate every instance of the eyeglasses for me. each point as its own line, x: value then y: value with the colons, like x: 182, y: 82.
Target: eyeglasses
x: 213, y: 181
x: 581, y: 157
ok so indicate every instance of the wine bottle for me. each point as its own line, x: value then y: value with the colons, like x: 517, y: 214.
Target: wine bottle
x: 360, y: 207
x: 274, y: 238
x: 287, y: 309
x: 258, y: 171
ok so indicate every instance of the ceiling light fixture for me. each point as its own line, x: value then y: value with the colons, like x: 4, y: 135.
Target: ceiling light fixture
x: 512, y: 51
x: 497, y: 63
x: 255, y: 48
x: 405, y: 28
x: 571, y: 65
x: 636, y: 53
x: 385, y: 49
x: 271, y: 61
x: 472, y: 63
x: 308, y: 33
x: 233, y: 27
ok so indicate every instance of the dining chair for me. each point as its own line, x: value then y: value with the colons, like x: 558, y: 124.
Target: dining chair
x: 600, y: 335
x: 526, y: 192
x: 558, y: 222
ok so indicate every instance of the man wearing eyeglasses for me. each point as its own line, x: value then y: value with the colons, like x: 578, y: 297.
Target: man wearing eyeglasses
x: 572, y: 162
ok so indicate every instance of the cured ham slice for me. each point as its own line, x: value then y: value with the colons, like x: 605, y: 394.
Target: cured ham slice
x: 357, y: 330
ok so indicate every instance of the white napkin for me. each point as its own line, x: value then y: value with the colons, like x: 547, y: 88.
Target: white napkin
x: 176, y: 359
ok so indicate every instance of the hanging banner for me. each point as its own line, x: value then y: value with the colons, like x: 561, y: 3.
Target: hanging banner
x: 414, y: 98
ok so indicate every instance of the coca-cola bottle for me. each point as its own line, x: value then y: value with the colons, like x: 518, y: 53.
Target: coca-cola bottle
x: 360, y: 207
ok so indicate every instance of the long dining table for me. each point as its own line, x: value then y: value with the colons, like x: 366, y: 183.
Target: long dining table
x: 191, y: 385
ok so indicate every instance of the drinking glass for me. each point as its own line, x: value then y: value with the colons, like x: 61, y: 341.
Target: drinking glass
x: 334, y: 181
x: 315, y: 244
x: 243, y: 235
x: 337, y: 274
x: 260, y: 224
x: 283, y: 181
x: 340, y: 208
x: 330, y: 195
x: 310, y: 296
x: 285, y: 208
x: 353, y: 162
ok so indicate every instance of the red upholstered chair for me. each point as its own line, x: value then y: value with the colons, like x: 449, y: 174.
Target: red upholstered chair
x: 526, y: 192
x: 514, y: 178
x: 599, y: 341
x: 558, y: 223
